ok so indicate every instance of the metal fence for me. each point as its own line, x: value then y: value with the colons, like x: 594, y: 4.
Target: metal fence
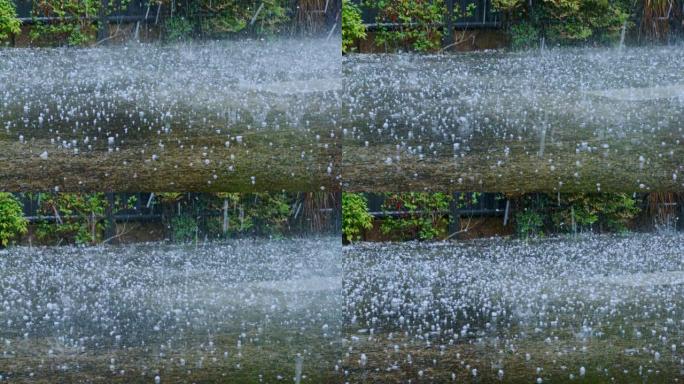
x: 482, y: 15
x: 135, y: 10
x: 317, y: 215
x: 303, y: 15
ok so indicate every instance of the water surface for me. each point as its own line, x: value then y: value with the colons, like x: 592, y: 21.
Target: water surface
x: 243, y: 311
x: 230, y: 115
x: 562, y: 119
x: 597, y: 308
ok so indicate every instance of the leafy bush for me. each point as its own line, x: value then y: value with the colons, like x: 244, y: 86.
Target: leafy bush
x: 352, y: 25
x: 355, y: 216
x: 524, y: 36
x: 221, y: 17
x: 77, y: 217
x: 600, y: 211
x: 184, y: 228
x: 177, y: 28
x: 565, y: 22
x: 74, y: 25
x: 532, y: 217
x: 528, y: 224
x: 9, y: 23
x: 258, y: 214
x: 12, y: 220
x: 423, y: 215
x: 577, y: 21
x: 421, y: 30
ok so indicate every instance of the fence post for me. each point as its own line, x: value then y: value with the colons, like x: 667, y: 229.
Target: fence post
x: 449, y: 24
x: 103, y: 27
x: 110, y: 227
x: 225, y: 217
x: 454, y: 216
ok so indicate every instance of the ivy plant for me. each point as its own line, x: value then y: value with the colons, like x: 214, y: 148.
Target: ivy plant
x: 418, y: 215
x: 12, y: 221
x: 352, y: 25
x: 355, y: 216
x: 9, y: 23
x: 419, y: 23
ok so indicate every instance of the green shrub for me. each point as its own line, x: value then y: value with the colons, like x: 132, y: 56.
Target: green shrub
x: 177, y: 28
x: 424, y: 215
x: 355, y: 216
x: 528, y: 224
x: 222, y: 17
x: 184, y: 228
x: 605, y: 212
x: 12, y: 221
x: 579, y: 21
x: 565, y: 22
x: 78, y: 217
x: 9, y: 23
x: 257, y: 214
x: 352, y: 26
x: 421, y: 30
x: 74, y: 24
x: 524, y: 36
x: 601, y: 212
x: 533, y: 215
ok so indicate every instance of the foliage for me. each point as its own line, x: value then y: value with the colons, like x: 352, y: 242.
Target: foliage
x: 422, y: 215
x: 265, y: 213
x: 352, y: 26
x: 221, y: 17
x: 579, y: 20
x: 75, y: 21
x: 532, y: 217
x: 77, y: 217
x: 12, y: 220
x: 506, y: 5
x: 606, y: 211
x: 184, y: 228
x: 420, y: 22
x: 355, y: 216
x: 189, y: 216
x: 9, y: 23
x: 177, y: 28
x: 524, y: 36
x: 529, y: 224
x: 565, y: 22
x: 603, y: 212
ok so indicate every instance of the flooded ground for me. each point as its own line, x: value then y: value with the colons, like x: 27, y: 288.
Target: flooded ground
x: 231, y: 115
x: 597, y: 309
x: 244, y: 311
x: 574, y: 120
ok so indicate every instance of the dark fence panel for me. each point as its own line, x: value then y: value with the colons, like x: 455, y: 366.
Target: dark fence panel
x: 135, y: 10
x: 327, y: 13
x: 487, y: 204
x: 318, y: 215
x: 483, y: 16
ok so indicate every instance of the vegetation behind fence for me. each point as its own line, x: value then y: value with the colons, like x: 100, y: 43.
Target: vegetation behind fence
x: 439, y: 216
x: 81, y: 22
x: 429, y: 25
x: 90, y: 218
